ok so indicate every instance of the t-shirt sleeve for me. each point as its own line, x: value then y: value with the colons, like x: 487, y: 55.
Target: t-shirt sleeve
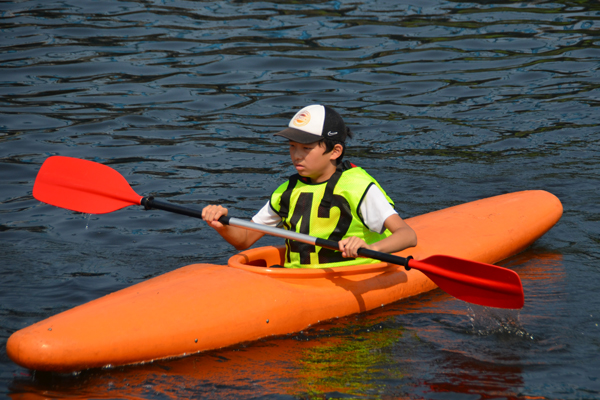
x: 375, y: 209
x: 267, y: 216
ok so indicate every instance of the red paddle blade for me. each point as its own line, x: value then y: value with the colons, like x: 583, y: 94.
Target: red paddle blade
x: 83, y: 186
x: 474, y: 282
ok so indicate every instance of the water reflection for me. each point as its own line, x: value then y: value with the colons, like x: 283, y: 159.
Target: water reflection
x: 309, y: 365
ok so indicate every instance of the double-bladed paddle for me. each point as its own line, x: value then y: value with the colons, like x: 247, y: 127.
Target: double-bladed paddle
x: 94, y: 188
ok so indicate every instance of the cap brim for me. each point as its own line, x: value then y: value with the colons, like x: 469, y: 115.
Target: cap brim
x: 296, y: 135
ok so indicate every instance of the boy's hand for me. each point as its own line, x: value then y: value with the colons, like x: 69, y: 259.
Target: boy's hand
x: 211, y: 215
x: 349, y: 246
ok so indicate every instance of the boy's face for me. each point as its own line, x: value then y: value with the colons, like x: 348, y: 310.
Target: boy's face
x: 311, y: 161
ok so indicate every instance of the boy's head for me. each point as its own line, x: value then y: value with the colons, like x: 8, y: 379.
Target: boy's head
x: 317, y: 123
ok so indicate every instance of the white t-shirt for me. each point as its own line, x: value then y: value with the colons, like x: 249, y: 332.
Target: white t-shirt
x: 374, y: 208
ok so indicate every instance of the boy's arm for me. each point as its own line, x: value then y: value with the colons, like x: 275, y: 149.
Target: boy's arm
x: 239, y: 238
x: 402, y: 237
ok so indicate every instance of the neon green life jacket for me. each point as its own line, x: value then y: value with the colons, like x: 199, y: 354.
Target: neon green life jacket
x: 327, y: 210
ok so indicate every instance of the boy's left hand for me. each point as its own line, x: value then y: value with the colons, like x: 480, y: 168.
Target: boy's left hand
x: 349, y: 246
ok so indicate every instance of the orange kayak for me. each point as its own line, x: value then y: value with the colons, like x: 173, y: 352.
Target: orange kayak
x: 204, y: 306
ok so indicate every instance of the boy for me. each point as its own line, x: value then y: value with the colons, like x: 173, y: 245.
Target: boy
x: 328, y: 198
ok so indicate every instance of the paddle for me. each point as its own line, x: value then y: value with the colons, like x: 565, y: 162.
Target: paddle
x: 94, y: 188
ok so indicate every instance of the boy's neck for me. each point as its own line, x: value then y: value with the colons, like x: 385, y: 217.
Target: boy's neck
x: 326, y: 175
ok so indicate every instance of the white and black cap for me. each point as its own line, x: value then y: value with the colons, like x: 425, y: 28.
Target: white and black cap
x: 314, y: 123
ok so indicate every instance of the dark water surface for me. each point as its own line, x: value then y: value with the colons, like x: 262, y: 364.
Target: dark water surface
x: 451, y: 102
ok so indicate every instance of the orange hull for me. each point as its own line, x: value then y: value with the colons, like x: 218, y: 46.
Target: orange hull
x: 202, y: 306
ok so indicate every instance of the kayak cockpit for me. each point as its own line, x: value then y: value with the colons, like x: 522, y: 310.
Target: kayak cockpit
x: 261, y: 260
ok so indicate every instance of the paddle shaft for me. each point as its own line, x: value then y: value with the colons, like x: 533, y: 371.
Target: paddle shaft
x: 150, y: 202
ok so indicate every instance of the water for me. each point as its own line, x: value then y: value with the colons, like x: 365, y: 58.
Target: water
x: 450, y: 101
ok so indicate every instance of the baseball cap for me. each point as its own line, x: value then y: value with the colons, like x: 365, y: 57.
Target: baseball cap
x: 313, y: 123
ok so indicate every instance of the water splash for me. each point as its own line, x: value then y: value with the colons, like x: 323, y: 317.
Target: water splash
x: 487, y: 321
x: 87, y: 223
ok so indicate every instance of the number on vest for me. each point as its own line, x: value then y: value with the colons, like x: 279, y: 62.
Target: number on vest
x: 302, y: 215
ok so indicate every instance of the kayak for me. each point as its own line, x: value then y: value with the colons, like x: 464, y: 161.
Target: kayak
x: 203, y: 307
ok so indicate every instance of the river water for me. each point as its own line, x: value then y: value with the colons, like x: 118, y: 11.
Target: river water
x: 450, y: 101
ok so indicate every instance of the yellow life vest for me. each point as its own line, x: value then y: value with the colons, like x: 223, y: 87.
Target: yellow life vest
x: 329, y: 210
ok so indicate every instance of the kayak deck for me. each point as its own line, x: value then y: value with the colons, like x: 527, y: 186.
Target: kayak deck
x: 203, y: 306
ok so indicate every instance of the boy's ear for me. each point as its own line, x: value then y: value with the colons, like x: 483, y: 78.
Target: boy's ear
x: 337, y: 151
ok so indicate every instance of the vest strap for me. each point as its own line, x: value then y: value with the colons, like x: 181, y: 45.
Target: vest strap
x: 284, y: 204
x: 325, y: 205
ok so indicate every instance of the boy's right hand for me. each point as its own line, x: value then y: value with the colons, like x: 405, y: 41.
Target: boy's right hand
x: 211, y: 215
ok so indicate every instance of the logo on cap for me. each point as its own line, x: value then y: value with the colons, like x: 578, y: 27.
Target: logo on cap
x: 301, y: 119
